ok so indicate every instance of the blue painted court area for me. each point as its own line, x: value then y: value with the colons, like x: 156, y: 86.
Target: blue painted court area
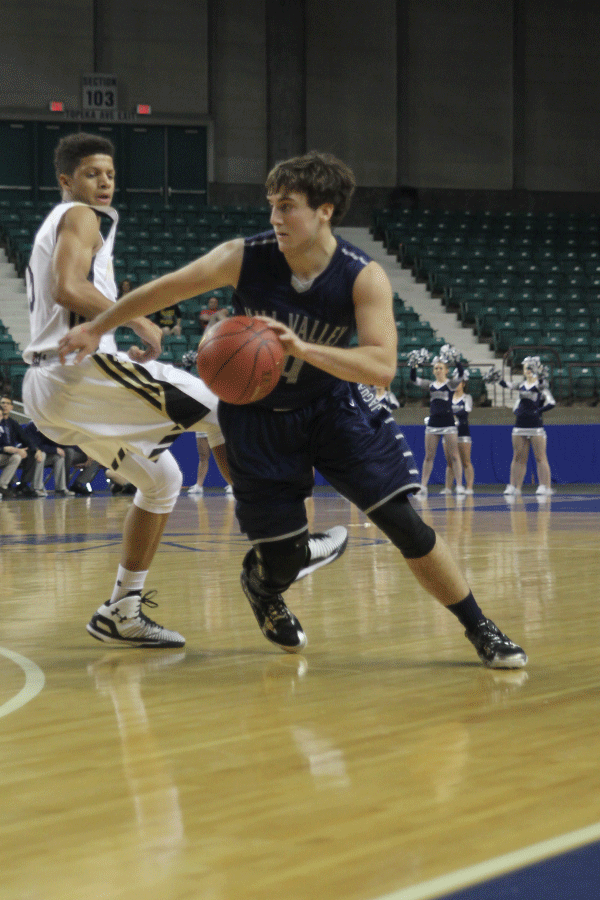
x: 570, y: 876
x: 566, y: 867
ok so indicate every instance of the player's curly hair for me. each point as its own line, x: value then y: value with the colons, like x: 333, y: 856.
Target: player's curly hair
x: 71, y: 149
x: 321, y: 177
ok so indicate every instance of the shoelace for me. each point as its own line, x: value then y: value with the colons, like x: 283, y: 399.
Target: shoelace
x: 278, y: 610
x: 494, y: 636
x: 147, y: 600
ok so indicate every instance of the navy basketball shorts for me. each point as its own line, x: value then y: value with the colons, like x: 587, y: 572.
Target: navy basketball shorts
x: 347, y: 435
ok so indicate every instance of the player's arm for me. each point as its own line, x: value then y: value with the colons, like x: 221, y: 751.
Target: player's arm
x: 374, y: 361
x: 218, y: 268
x: 77, y: 241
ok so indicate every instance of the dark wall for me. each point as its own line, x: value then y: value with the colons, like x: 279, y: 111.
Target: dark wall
x: 453, y: 98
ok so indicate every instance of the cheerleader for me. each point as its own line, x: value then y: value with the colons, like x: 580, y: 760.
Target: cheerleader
x: 533, y: 401
x: 440, y: 423
x: 462, y: 404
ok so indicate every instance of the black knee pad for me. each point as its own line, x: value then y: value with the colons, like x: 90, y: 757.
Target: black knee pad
x: 273, y: 565
x: 404, y: 527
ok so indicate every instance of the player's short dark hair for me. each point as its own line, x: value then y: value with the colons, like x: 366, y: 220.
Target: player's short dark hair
x: 321, y: 177
x: 71, y: 149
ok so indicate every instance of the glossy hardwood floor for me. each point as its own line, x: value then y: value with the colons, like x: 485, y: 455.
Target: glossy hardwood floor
x: 383, y: 757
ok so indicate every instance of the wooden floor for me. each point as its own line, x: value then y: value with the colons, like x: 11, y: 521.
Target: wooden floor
x: 377, y: 764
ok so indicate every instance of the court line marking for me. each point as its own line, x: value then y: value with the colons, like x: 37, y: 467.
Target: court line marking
x: 34, y: 682
x: 500, y: 865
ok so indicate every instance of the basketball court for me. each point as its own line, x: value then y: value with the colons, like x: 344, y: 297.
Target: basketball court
x: 385, y: 763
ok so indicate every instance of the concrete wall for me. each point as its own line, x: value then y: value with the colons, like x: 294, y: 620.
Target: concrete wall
x: 238, y: 103
x: 159, y: 51
x: 450, y: 95
x: 44, y: 50
x: 159, y: 57
x: 351, y: 105
x: 561, y: 95
x: 456, y: 112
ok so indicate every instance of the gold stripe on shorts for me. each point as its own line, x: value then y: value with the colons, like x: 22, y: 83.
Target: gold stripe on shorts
x: 134, y: 378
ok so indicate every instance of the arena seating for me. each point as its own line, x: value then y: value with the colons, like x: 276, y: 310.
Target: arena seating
x: 524, y: 283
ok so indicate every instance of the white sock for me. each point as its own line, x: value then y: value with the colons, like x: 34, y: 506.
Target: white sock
x: 127, y: 581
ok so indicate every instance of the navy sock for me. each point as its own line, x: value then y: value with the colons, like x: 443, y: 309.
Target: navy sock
x: 467, y: 612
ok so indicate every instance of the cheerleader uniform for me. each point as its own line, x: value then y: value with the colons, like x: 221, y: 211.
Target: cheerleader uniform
x: 533, y: 401
x: 441, y: 418
x: 461, y: 409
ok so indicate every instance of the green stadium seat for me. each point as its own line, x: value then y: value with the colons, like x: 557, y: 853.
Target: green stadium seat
x: 8, y: 348
x: 571, y: 356
x: 560, y: 383
x: 523, y: 345
x: 578, y: 342
x: 142, y: 268
x: 162, y: 266
x: 578, y: 326
x: 584, y: 383
x: 485, y: 321
x: 124, y: 343
x: 591, y: 357
x: 506, y: 333
x: 193, y: 340
x: 409, y: 342
x: 406, y: 313
x: 16, y: 374
x: 533, y: 328
x: 176, y: 344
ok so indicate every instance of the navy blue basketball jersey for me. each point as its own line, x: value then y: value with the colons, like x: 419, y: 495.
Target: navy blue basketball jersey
x: 320, y: 312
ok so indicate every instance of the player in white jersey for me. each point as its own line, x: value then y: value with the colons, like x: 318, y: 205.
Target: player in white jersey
x: 123, y: 410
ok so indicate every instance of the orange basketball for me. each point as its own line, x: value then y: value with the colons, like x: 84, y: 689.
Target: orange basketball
x: 240, y: 359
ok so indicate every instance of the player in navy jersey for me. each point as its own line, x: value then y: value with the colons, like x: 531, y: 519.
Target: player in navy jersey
x: 440, y: 422
x: 316, y: 291
x: 462, y: 405
x: 534, y: 399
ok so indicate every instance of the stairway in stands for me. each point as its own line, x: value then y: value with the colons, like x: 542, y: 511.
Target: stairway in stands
x: 416, y: 295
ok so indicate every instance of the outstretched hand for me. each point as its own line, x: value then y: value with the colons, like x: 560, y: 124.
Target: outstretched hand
x: 83, y: 340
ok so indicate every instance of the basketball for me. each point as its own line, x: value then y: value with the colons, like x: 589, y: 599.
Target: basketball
x: 240, y: 359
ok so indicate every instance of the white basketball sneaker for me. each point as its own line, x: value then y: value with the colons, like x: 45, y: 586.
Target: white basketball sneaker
x: 122, y: 622
x: 324, y: 547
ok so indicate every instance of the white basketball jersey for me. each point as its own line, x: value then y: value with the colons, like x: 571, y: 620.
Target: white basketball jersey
x: 49, y: 321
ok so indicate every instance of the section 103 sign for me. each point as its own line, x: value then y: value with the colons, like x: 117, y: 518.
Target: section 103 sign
x: 99, y: 94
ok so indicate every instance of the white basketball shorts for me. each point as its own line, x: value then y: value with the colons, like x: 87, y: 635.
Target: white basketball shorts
x: 109, y: 405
